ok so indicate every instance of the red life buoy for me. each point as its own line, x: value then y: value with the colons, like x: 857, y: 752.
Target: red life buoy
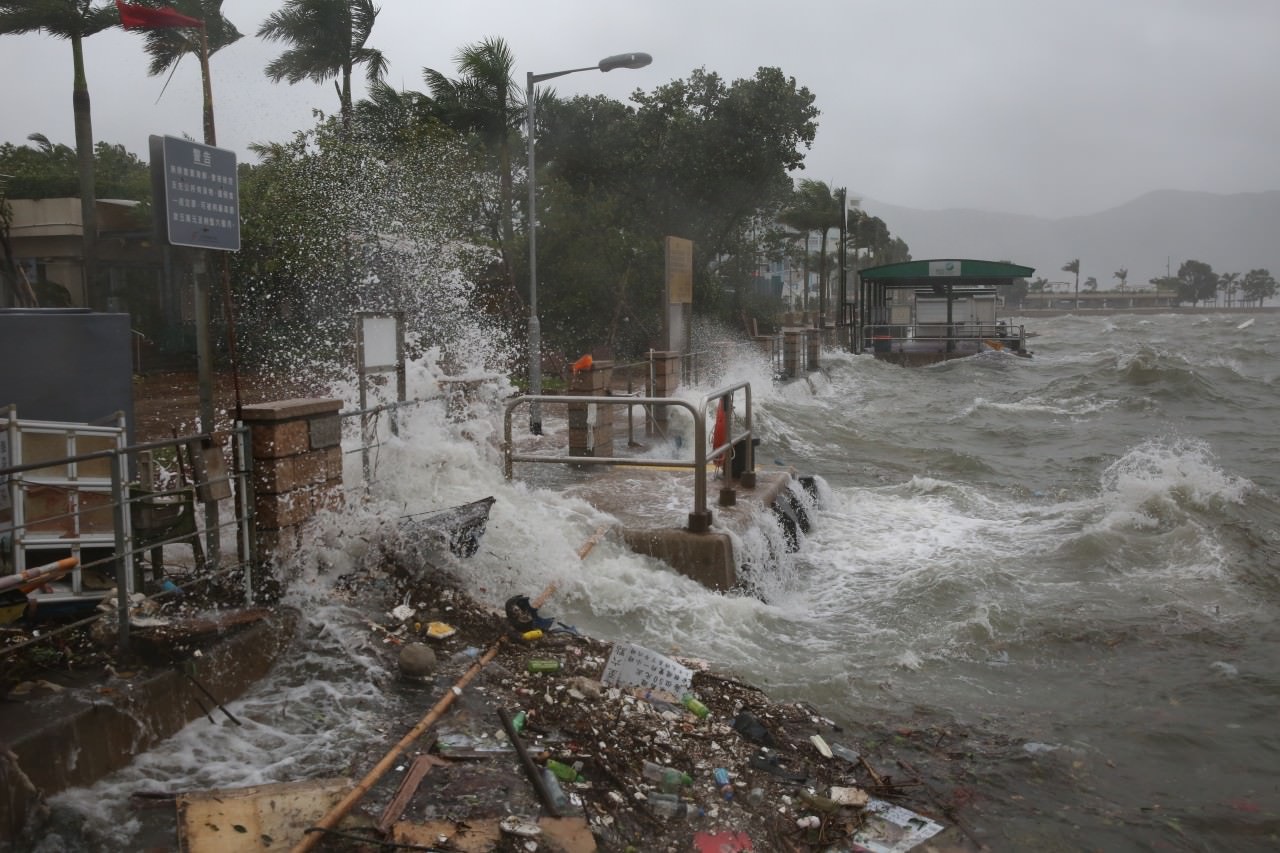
x: 720, y: 434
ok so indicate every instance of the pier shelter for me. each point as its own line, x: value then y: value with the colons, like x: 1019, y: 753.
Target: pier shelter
x: 921, y: 312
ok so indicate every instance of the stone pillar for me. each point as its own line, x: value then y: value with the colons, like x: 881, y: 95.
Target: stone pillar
x: 297, y: 468
x: 792, y: 342
x: 815, y: 348
x: 666, y: 381
x: 591, y: 425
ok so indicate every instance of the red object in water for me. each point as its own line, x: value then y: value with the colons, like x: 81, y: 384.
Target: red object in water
x: 583, y: 363
x: 727, y: 841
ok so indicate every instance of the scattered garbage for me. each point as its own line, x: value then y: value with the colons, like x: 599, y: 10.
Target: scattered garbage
x: 638, y: 749
x: 635, y: 666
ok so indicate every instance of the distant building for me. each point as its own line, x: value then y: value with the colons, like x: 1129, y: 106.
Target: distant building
x: 46, y: 237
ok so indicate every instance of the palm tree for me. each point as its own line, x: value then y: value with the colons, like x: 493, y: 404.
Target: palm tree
x: 484, y: 101
x: 1073, y: 265
x: 814, y: 207
x: 328, y: 38
x: 73, y: 20
x: 167, y: 46
x: 1123, y: 275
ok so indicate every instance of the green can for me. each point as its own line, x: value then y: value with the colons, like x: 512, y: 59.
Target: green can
x: 543, y: 665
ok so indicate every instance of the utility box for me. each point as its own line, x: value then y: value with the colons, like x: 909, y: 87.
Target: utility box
x: 67, y: 364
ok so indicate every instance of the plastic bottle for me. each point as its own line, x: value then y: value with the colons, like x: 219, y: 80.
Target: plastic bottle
x: 695, y: 707
x: 845, y: 752
x: 554, y: 790
x: 563, y: 771
x: 670, y: 807
x: 669, y: 779
x: 723, y: 782
x: 543, y: 665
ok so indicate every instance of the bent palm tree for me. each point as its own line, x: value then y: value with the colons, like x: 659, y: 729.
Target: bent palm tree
x: 814, y: 207
x: 167, y: 46
x: 73, y: 20
x: 484, y: 101
x: 328, y: 38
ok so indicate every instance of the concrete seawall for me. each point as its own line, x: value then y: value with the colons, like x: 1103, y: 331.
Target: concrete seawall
x: 64, y: 739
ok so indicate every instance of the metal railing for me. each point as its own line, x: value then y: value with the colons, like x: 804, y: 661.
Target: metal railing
x: 942, y: 337
x: 699, y: 518
x: 130, y: 537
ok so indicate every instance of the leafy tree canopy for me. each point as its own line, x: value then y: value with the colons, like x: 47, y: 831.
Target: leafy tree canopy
x: 698, y: 158
x: 49, y: 170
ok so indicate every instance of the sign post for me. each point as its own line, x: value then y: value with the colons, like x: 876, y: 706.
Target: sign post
x: 196, y: 196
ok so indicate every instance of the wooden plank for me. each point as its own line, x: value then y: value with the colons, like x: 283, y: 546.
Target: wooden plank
x: 258, y: 818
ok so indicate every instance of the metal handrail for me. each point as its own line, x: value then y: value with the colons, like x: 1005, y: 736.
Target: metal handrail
x: 125, y: 548
x: 700, y: 518
x: 893, y: 332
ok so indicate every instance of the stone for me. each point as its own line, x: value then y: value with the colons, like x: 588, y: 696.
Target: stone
x: 417, y: 662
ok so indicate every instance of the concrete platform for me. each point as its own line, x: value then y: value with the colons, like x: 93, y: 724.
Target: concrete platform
x: 653, y: 506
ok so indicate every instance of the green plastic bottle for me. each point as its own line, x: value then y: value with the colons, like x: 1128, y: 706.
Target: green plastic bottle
x: 562, y: 771
x: 543, y: 665
x: 695, y: 707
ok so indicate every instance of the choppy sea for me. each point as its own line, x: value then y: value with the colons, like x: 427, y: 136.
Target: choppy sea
x: 1053, y: 582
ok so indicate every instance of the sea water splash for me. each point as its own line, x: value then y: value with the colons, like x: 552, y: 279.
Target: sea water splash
x: 1080, y: 590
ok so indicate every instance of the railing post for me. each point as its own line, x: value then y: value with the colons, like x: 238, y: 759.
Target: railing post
x: 700, y: 518
x: 666, y: 372
x: 591, y: 426
x: 791, y: 353
x: 748, y: 478
x: 244, y: 515
x: 124, y: 565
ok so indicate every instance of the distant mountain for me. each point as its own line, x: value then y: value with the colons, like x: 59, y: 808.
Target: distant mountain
x: 1231, y: 233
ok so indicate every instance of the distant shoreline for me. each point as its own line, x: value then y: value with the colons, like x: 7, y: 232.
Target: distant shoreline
x: 1096, y: 312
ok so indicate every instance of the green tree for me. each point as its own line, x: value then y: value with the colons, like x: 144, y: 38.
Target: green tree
x: 50, y: 170
x: 73, y: 20
x: 484, y: 102
x: 700, y: 159
x: 1258, y: 285
x: 1123, y: 275
x: 1073, y: 265
x: 1197, y: 282
x: 334, y: 223
x: 1228, y: 285
x: 328, y: 39
x: 814, y: 207
x: 167, y: 46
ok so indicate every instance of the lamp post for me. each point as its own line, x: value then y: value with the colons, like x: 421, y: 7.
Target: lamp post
x: 621, y: 60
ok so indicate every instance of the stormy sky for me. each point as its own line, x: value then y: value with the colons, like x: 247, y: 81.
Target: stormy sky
x: 1049, y: 107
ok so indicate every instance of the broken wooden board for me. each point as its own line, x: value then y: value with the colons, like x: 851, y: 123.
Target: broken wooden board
x: 260, y: 817
x: 559, y: 834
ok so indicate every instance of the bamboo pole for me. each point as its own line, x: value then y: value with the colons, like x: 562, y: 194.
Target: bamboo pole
x: 316, y: 832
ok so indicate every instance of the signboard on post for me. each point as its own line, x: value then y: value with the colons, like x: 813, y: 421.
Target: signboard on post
x: 197, y: 193
x: 678, y: 308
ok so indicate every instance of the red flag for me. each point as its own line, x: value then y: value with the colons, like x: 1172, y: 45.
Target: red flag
x: 133, y: 16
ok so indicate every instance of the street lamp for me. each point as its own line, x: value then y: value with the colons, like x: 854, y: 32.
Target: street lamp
x: 621, y: 60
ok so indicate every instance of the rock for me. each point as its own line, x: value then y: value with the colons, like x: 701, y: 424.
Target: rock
x: 417, y: 662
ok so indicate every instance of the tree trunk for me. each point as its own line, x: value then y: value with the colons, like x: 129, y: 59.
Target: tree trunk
x: 84, y: 157
x: 210, y: 132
